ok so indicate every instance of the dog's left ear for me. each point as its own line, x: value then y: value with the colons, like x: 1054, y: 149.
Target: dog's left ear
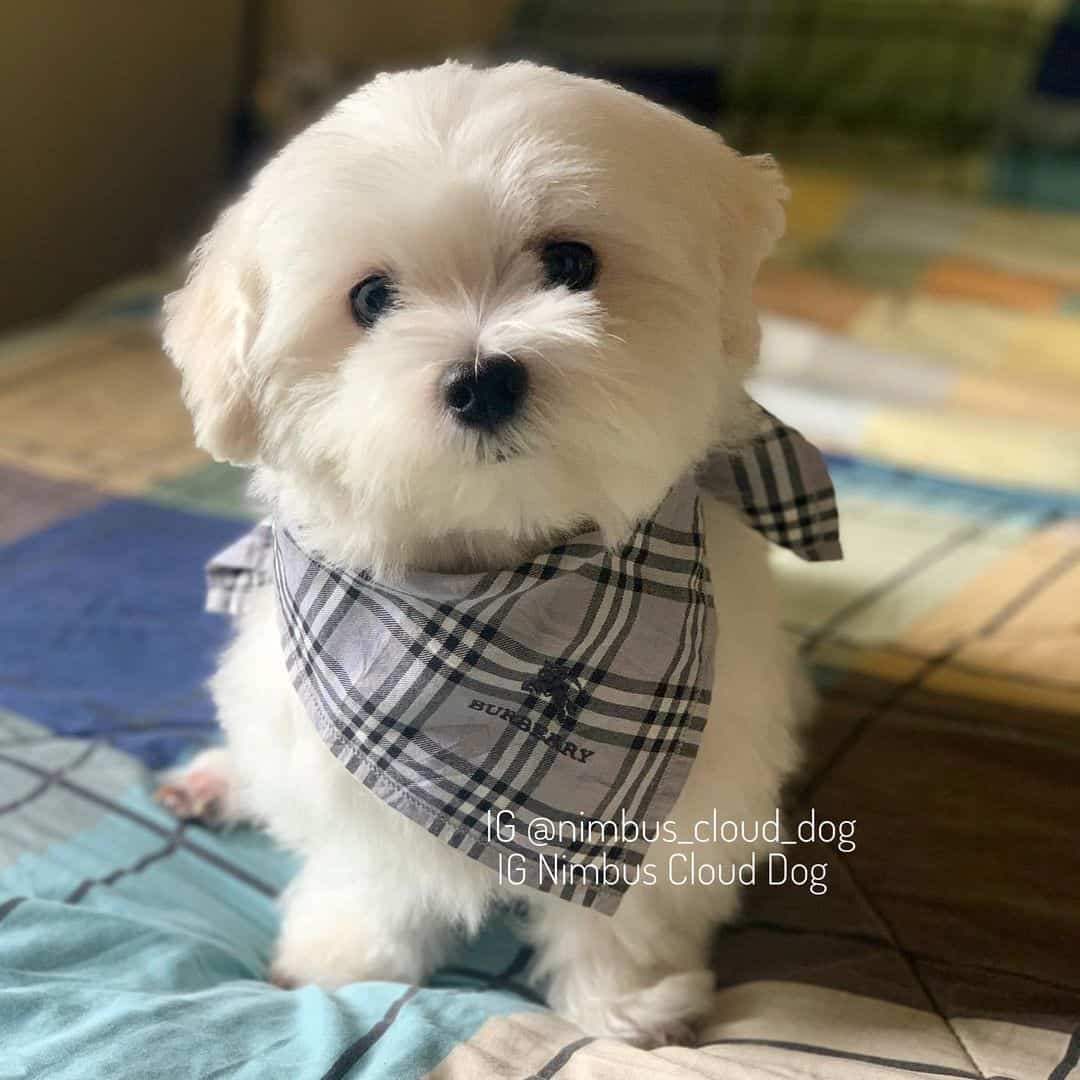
x: 760, y: 196
x: 210, y: 325
x: 750, y: 193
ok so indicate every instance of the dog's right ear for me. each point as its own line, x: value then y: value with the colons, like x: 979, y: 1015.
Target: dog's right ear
x: 210, y: 325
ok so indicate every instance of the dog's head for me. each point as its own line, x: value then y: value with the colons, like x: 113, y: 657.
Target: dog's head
x: 470, y: 310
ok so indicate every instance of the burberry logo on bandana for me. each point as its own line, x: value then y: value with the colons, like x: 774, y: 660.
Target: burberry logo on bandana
x: 573, y: 688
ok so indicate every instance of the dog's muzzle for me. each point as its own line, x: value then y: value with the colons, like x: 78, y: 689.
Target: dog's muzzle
x: 486, y: 394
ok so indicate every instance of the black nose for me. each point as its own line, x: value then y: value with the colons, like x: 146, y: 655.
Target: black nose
x: 485, y: 394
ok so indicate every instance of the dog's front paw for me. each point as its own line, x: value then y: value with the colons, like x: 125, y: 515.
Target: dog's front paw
x: 201, y: 789
x: 333, y: 956
x: 667, y: 1013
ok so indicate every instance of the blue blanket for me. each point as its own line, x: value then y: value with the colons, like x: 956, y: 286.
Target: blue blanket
x: 130, y: 944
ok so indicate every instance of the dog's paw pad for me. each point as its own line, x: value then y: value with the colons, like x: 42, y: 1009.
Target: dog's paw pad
x: 199, y: 790
x: 282, y: 979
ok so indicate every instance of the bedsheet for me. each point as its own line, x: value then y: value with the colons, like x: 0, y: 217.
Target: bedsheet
x: 942, y: 375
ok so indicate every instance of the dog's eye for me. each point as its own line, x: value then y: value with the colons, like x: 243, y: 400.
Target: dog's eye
x: 569, y: 263
x: 371, y: 298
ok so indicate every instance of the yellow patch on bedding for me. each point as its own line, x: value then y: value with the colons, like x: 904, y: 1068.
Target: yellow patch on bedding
x: 997, y: 451
x: 1045, y: 344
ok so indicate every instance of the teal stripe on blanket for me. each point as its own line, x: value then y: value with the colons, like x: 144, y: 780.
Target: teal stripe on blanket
x: 135, y: 949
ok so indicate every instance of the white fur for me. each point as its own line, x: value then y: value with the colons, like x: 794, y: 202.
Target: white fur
x: 450, y: 179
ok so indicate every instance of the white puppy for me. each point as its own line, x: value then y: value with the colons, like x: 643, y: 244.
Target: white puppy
x: 605, y: 249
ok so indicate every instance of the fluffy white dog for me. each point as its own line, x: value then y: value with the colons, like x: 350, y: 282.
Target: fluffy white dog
x: 589, y: 257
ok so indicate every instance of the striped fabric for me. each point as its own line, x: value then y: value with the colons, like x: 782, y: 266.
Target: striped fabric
x: 781, y: 485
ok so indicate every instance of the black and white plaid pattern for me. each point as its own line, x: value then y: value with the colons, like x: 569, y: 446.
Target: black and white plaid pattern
x: 781, y: 484
x: 571, y: 689
x: 246, y: 565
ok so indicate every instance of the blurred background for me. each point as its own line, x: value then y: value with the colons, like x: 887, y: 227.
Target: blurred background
x: 921, y: 322
x: 124, y: 123
x: 932, y: 256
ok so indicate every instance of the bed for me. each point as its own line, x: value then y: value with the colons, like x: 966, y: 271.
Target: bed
x: 933, y: 347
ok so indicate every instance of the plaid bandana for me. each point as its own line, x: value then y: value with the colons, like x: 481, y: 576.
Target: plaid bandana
x: 571, y: 690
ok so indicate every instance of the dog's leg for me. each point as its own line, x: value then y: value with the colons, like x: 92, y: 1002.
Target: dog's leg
x: 339, y: 927
x: 638, y: 975
x: 204, y: 788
